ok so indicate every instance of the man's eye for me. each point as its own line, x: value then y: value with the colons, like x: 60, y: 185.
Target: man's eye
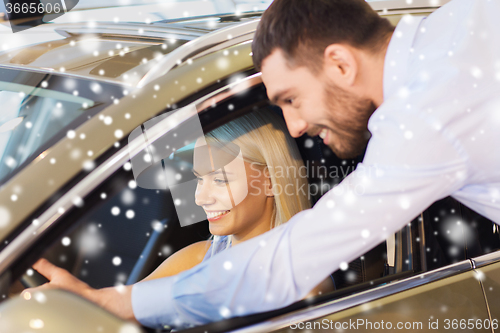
x: 220, y: 181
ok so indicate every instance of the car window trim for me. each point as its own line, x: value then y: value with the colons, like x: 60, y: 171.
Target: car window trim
x: 192, y: 48
x: 343, y: 303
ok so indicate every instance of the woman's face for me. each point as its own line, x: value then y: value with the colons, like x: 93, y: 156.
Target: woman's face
x: 236, y: 198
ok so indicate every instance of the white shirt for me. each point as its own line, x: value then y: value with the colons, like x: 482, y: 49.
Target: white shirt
x: 436, y: 134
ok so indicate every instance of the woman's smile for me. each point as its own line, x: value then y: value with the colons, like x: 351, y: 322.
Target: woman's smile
x: 216, y: 214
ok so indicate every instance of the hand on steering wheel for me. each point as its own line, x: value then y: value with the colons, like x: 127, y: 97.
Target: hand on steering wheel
x: 56, y: 277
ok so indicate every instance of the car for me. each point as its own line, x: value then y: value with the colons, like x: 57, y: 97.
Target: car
x: 69, y: 192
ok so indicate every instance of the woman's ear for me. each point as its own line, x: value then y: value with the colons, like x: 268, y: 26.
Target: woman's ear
x: 268, y: 184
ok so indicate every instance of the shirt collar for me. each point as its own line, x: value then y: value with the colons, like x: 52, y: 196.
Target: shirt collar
x: 398, y: 54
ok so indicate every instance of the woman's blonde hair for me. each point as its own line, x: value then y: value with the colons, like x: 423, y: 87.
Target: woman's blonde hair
x: 264, y: 140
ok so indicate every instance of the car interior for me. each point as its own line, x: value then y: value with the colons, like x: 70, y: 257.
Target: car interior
x: 123, y: 232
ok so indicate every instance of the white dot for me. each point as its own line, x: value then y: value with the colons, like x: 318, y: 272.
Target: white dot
x: 199, y: 80
x: 88, y: 165
x: 118, y: 133
x: 36, y: 324
x: 115, y: 211
x: 29, y: 124
x: 177, y: 202
x: 82, y: 136
x: 71, y: 134
x: 44, y: 84
x: 225, y: 312
x: 309, y: 143
x: 66, y: 241
x: 228, y: 265
x: 408, y: 135
x: 130, y: 214
x: 90, y: 153
x: 330, y: 204
x: 103, y: 195
x: 404, y: 203
x: 13, y: 197
x: 117, y: 261
x: 344, y: 266
x: 127, y: 115
x: 108, y: 120
x: 365, y: 233
x: 476, y: 72
x: 101, y: 72
x: 132, y: 184
x: 157, y: 226
x: 77, y: 201
x: 156, y: 87
x: 127, y: 166
x: 29, y: 272
x: 128, y: 328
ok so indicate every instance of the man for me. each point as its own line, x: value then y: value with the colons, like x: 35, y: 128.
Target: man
x: 427, y: 92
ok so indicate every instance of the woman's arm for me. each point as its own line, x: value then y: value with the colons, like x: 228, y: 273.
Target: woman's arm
x: 181, y: 260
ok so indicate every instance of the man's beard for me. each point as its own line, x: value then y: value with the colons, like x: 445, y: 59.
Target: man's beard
x: 349, y: 115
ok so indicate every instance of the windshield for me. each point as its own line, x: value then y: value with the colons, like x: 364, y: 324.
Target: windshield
x: 38, y: 109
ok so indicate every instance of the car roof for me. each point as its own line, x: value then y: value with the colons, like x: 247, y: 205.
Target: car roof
x: 125, y: 52
x: 115, y: 52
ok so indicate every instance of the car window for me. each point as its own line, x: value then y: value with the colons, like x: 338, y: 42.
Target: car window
x: 38, y: 108
x: 121, y: 232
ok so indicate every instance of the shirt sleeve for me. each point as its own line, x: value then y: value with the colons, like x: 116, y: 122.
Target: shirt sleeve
x: 281, y: 266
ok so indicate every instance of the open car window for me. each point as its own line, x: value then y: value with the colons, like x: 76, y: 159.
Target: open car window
x: 120, y: 232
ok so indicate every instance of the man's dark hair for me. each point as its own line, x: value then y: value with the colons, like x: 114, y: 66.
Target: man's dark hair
x: 302, y: 29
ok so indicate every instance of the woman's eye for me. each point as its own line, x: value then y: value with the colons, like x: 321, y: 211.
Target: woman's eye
x: 289, y: 101
x: 199, y: 179
x: 220, y: 181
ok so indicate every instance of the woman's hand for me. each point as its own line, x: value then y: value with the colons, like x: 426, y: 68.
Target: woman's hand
x: 117, y: 300
x: 59, y: 278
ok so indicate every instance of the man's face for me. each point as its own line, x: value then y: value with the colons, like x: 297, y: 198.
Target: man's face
x: 316, y: 106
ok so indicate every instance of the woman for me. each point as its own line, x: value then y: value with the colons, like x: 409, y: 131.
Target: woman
x: 271, y: 164
x: 252, y: 194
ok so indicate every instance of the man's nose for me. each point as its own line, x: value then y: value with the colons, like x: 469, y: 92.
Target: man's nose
x: 296, y: 125
x: 203, y: 195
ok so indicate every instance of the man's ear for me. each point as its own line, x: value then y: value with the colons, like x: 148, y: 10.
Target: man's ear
x: 340, y: 65
x: 268, y: 189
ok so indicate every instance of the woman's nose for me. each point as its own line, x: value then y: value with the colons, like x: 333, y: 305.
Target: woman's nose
x: 203, y: 195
